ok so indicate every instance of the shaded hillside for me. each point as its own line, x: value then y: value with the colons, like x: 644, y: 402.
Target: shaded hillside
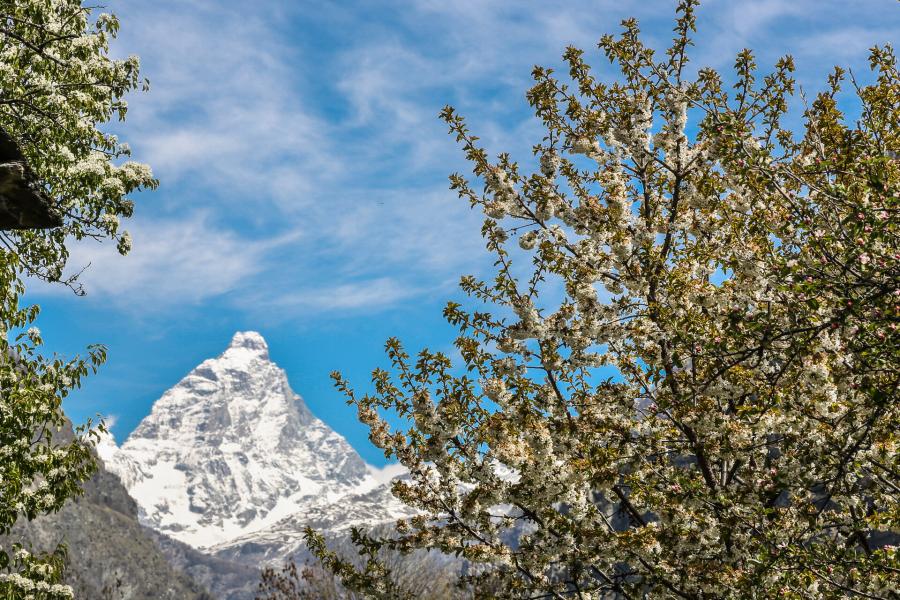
x: 111, y: 556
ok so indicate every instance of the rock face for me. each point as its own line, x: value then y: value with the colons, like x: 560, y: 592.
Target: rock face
x: 111, y: 555
x: 231, y: 462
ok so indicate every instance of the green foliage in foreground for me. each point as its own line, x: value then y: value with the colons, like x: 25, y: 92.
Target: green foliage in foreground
x: 57, y: 85
x: 742, y: 286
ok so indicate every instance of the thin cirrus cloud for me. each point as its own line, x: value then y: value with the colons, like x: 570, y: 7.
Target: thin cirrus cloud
x: 353, y: 296
x: 173, y: 263
x: 224, y: 113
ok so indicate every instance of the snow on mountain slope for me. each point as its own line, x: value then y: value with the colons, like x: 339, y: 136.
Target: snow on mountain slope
x: 231, y: 451
x: 284, y: 538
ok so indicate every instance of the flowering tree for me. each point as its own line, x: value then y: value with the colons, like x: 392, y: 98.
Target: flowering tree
x: 708, y: 407
x: 57, y: 85
x: 424, y: 576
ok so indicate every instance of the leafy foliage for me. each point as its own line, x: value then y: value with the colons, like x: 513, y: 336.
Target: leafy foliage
x: 58, y: 83
x: 57, y: 86
x: 35, y: 576
x: 710, y: 409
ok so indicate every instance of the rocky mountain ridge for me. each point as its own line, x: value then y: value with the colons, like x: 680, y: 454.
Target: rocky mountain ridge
x: 231, y: 462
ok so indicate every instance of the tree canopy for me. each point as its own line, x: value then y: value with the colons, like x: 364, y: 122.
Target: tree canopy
x: 685, y: 382
x: 59, y: 87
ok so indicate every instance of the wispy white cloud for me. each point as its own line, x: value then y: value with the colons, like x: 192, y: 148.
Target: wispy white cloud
x: 818, y: 33
x: 748, y: 18
x: 416, y: 231
x: 846, y: 44
x: 365, y: 295
x: 226, y: 110
x: 175, y: 262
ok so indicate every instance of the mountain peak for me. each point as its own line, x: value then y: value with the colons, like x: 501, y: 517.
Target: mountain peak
x: 231, y: 449
x: 249, y: 340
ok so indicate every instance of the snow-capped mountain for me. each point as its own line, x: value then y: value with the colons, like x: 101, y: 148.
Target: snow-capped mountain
x: 232, y: 456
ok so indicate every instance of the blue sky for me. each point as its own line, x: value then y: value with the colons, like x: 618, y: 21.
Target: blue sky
x: 304, y: 171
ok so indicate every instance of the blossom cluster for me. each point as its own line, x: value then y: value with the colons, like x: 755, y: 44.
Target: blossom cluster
x: 34, y: 577
x: 60, y: 86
